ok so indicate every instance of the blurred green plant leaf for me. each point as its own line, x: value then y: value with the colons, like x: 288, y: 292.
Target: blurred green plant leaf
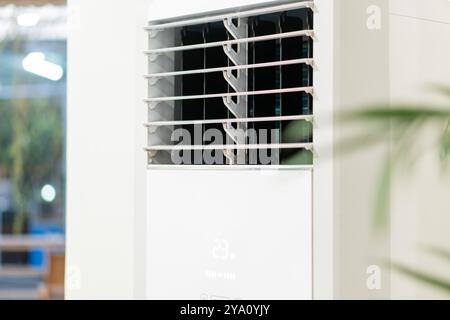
x: 445, y: 146
x: 302, y: 157
x: 396, y: 113
x: 442, y: 89
x: 381, y: 215
x: 423, y: 277
x: 400, y: 124
x: 298, y: 131
x: 437, y: 251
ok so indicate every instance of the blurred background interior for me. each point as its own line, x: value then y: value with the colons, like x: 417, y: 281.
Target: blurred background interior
x: 32, y: 148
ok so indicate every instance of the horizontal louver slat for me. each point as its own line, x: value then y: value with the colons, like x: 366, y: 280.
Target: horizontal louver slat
x: 301, y: 33
x: 231, y: 94
x: 230, y: 146
x: 229, y: 120
x: 231, y: 68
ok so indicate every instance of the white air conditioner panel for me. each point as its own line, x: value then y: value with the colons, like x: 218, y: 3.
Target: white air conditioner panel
x: 229, y: 234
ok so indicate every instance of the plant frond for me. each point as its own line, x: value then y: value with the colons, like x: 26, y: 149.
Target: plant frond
x: 423, y: 277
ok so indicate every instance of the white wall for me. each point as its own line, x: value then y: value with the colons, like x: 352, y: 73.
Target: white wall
x: 106, y: 162
x: 374, y: 67
x: 420, y: 51
x: 361, y: 80
x: 324, y: 103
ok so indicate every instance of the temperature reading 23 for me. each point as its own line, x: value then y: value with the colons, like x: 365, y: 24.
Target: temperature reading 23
x: 221, y: 250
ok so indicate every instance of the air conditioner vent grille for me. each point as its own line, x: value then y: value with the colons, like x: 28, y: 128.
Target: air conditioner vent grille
x: 232, y: 89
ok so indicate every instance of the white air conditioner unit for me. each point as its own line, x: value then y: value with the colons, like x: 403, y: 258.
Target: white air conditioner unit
x: 238, y: 194
x: 231, y: 103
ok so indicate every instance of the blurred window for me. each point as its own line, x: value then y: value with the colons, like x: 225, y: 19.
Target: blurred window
x: 32, y: 141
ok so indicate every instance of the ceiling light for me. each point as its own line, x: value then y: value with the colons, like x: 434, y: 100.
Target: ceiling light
x: 35, y: 63
x: 28, y: 19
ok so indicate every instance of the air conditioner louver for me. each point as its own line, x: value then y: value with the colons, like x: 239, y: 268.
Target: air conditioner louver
x: 238, y: 85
